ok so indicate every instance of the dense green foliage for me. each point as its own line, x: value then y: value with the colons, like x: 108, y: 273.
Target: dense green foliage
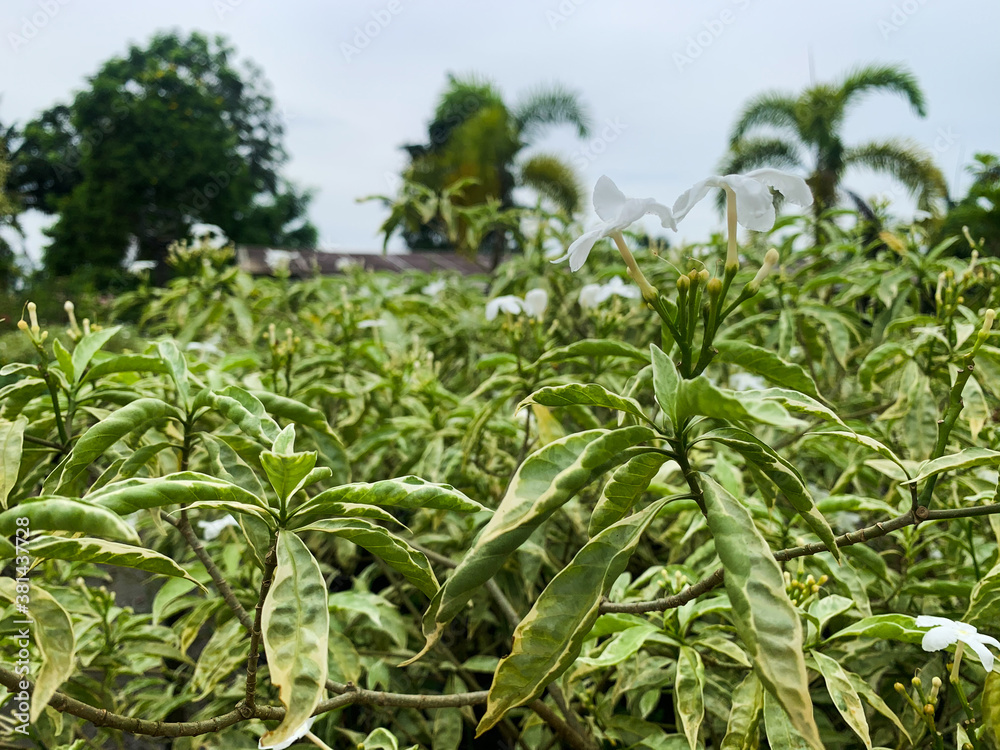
x: 362, y: 430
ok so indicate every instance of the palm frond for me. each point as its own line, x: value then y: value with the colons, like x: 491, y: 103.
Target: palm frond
x: 463, y: 99
x: 893, y: 79
x: 554, y: 179
x: 772, y: 108
x: 906, y: 162
x: 553, y: 105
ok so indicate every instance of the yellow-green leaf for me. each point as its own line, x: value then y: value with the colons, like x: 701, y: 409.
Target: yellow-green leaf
x: 11, y: 445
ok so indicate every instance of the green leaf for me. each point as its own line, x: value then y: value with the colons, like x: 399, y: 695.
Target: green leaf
x: 86, y: 348
x: 876, y: 359
x: 785, y: 476
x: 874, y: 700
x: 245, y: 411
x: 549, y: 638
x: 88, y: 549
x: 594, y: 348
x: 967, y: 459
x: 65, y: 360
x: 53, y: 636
x: 765, y: 619
x: 689, y: 693
x: 48, y: 513
x: 173, y: 358
x: 17, y: 395
x: 405, y: 492
x: 123, y: 363
x: 132, y: 419
x: 624, y: 488
x: 984, y: 604
x: 781, y: 733
x: 666, y: 383
x: 793, y: 401
x: 767, y: 364
x: 287, y: 473
x: 698, y: 397
x: 743, y: 728
x: 182, y: 488
x: 228, y: 465
x: 296, y: 630
x: 222, y: 655
x: 11, y: 445
x: 844, y: 696
x: 542, y: 484
x: 584, y: 395
x: 868, y: 442
x: 396, y: 552
x: 885, y: 627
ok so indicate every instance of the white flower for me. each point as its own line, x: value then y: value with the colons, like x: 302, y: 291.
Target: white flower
x: 279, y: 258
x: 617, y: 213
x: 434, y: 288
x: 375, y: 323
x: 139, y: 266
x: 754, y: 201
x: 744, y: 381
x: 944, y: 632
x: 212, y: 529
x: 592, y: 295
x: 533, y: 304
x: 299, y: 733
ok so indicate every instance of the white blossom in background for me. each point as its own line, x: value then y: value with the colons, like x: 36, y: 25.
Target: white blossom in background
x: 210, y: 234
x: 944, y: 632
x: 276, y: 259
x: 205, y: 347
x: 141, y: 266
x: 434, y: 288
x: 533, y: 304
x: 617, y: 213
x: 374, y: 323
x: 592, y: 295
x: 754, y: 200
x: 211, y: 529
x: 745, y: 381
x: 344, y: 265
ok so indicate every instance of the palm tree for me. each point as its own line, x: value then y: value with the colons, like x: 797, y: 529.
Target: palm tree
x: 807, y: 135
x: 476, y: 135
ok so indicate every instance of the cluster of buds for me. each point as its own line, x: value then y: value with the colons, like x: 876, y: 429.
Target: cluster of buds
x: 32, y: 328
x: 281, y: 348
x: 923, y: 702
x: 802, y: 591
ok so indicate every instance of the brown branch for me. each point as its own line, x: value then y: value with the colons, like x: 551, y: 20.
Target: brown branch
x: 563, y: 730
x: 183, y: 525
x: 270, y: 563
x: 844, y: 540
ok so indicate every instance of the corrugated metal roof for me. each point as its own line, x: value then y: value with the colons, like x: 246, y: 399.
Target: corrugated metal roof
x: 254, y: 259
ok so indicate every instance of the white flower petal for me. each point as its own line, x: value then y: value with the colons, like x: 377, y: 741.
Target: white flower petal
x: 608, y: 199
x: 508, y: 303
x: 690, y: 197
x: 793, y: 187
x: 616, y: 286
x: 212, y: 529
x: 984, y: 654
x: 434, y: 288
x: 581, y: 247
x: 989, y: 639
x: 929, y: 621
x: 754, y: 202
x: 589, y: 296
x: 665, y: 215
x: 535, y: 302
x: 938, y: 638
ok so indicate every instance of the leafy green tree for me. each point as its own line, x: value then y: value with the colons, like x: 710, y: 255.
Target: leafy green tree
x: 805, y: 131
x: 476, y: 134
x: 8, y: 218
x: 164, y: 137
x: 979, y: 210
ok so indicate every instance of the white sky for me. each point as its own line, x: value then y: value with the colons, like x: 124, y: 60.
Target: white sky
x: 347, y: 115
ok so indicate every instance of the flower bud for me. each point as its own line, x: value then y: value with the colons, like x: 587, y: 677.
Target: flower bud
x: 683, y: 284
x: 916, y: 682
x: 988, y: 319
x: 703, y: 276
x: 770, y: 261
x: 86, y: 326
x: 714, y: 288
x: 929, y: 709
x: 33, y: 317
x: 22, y: 325
x: 899, y: 688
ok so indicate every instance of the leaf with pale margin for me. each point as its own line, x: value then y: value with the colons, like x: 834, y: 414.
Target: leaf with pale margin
x: 868, y: 442
x: 404, y: 492
x: 11, y: 445
x: 549, y: 638
x: 689, y: 693
x: 594, y: 348
x: 295, y: 625
x: 767, y: 364
x: 87, y: 347
x: 56, y: 642
x: 545, y: 481
x: 48, y: 513
x: 395, y: 551
x: 844, y: 696
x: 967, y: 459
x: 765, y: 619
x: 624, y: 488
x: 590, y: 394
x: 743, y: 727
x: 782, y: 474
x: 91, y: 550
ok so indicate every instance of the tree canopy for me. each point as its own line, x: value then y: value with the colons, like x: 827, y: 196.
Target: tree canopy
x: 166, y: 136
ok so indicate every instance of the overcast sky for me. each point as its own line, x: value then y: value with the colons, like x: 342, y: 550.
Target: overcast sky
x: 663, y: 80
